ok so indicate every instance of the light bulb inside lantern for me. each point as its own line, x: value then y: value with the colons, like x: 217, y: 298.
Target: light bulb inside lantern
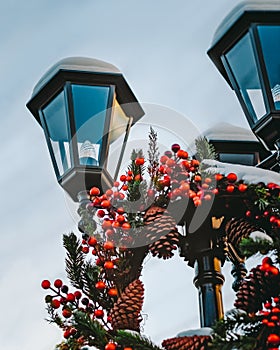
x: 88, y: 154
x: 276, y: 95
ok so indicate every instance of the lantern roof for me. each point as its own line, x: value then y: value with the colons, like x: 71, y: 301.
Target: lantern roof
x: 230, y: 132
x: 237, y: 22
x: 76, y: 64
x: 85, y: 71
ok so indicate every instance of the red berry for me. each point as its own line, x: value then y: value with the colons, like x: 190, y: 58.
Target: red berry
x: 106, y: 224
x: 267, y: 260
x: 126, y: 226
x: 123, y: 178
x: 92, y: 241
x: 94, y: 191
x: 45, y: 284
x: 120, y: 218
x: 78, y: 294
x: 55, y: 303
x: 138, y: 177
x: 105, y: 204
x: 100, y: 213
x: 170, y: 163
x: 218, y: 177
x: 109, y: 193
x: 109, y: 265
x: 175, y: 147
x: 111, y: 346
x: 139, y: 161
x: 207, y: 197
x: 99, y: 313
x: 182, y: 154
x: 124, y: 187
x: 70, y: 297
x: 242, y: 187
x: 116, y: 224
x: 230, y: 188
x: 248, y: 213
x: 232, y: 177
x: 100, y: 285
x: 163, y: 160
x: 73, y: 331
x: 85, y: 250
x: 108, y: 245
x: 66, y: 334
x: 66, y: 313
x: 112, y: 292
x: 273, y: 339
x: 58, y: 283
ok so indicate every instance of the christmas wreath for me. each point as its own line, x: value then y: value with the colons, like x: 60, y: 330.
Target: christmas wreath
x: 138, y: 216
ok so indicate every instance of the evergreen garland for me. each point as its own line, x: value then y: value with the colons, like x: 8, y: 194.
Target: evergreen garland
x: 116, y: 229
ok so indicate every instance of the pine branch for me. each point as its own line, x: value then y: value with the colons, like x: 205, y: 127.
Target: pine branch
x: 204, y: 150
x: 135, y: 341
x: 236, y: 331
x: 74, y: 260
x: 90, y: 277
x: 249, y: 247
x: 92, y: 330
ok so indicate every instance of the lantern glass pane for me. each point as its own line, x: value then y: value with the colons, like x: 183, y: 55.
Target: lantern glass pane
x: 90, y: 104
x: 238, y: 158
x: 243, y: 66
x: 119, y: 129
x: 56, y: 121
x: 270, y: 43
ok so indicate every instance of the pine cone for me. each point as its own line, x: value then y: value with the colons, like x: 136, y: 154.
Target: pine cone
x: 126, y: 311
x: 158, y: 222
x: 164, y: 246
x: 236, y: 229
x: 253, y: 291
x: 187, y: 343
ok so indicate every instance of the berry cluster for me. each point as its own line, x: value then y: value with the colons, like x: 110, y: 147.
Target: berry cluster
x: 71, y: 303
x: 271, y: 320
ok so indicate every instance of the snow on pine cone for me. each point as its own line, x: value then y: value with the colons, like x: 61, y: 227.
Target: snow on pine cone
x: 126, y: 311
x: 253, y: 291
x: 236, y: 229
x: 187, y: 343
x: 164, y: 246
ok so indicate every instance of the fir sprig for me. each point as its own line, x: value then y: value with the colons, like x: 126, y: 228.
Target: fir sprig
x: 74, y: 260
x: 92, y: 330
x: 204, y: 149
x: 236, y: 331
x: 249, y: 247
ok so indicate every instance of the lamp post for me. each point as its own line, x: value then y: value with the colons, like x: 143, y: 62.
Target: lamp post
x: 245, y: 50
x: 84, y: 107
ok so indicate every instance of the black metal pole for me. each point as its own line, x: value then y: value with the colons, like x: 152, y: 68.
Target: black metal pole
x: 209, y: 280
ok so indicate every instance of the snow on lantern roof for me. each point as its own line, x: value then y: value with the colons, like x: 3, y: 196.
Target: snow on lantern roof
x: 229, y: 132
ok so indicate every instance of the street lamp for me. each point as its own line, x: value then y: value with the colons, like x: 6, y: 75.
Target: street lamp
x: 245, y: 50
x: 84, y: 107
x: 236, y: 145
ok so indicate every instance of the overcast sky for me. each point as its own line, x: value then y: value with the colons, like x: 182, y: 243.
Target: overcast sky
x: 160, y: 46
